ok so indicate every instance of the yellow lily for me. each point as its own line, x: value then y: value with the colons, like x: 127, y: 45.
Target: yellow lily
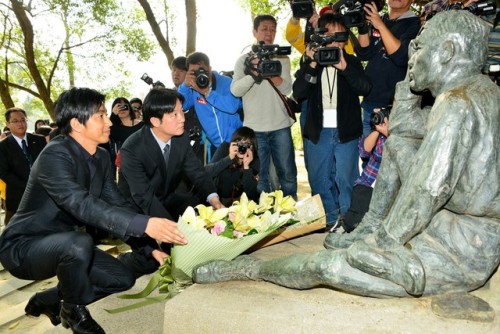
x: 209, y: 215
x: 283, y: 204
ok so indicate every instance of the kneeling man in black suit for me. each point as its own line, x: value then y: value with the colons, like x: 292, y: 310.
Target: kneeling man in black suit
x: 70, y: 187
x: 153, y: 161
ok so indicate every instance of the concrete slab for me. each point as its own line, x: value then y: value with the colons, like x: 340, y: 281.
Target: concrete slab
x: 260, y: 307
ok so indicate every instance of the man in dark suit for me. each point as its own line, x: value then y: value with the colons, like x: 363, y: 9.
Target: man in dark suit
x: 18, y: 152
x: 149, y: 175
x: 71, y: 186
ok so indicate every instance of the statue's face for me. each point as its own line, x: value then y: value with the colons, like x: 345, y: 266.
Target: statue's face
x: 424, y: 66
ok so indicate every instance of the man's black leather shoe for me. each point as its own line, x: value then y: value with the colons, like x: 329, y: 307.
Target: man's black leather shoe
x: 77, y: 317
x: 35, y: 307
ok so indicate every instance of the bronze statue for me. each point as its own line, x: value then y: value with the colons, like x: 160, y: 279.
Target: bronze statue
x: 434, y: 220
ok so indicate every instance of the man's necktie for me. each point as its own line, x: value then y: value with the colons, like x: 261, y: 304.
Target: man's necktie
x: 166, y: 153
x: 26, y: 152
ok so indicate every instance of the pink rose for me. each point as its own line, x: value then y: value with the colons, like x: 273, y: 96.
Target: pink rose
x: 218, y: 228
x: 232, y: 216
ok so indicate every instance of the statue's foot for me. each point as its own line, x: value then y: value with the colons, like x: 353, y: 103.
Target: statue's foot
x: 398, y: 265
x: 241, y: 268
x: 344, y: 240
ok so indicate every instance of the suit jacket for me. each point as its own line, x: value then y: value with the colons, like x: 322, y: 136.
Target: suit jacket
x: 15, y: 169
x: 61, y: 196
x: 144, y: 178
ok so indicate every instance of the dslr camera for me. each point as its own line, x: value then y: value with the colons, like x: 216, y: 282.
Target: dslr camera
x: 327, y: 55
x: 243, y: 147
x: 202, y: 77
x: 194, y: 133
x: 302, y: 8
x: 377, y: 118
x: 267, y: 67
x: 353, y: 12
x: 147, y: 79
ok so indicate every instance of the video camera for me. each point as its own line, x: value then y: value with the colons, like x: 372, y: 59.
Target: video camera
x: 147, y: 79
x: 264, y: 52
x: 353, y: 11
x: 482, y: 7
x: 302, y: 8
x: 327, y: 55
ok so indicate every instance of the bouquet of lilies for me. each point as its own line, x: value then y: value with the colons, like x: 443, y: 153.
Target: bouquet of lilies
x: 221, y: 234
x: 225, y: 233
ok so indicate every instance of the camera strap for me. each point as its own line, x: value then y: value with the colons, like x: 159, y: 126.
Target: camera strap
x: 286, y: 101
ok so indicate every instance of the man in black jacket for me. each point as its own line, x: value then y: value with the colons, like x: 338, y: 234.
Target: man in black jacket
x: 18, y: 152
x: 71, y: 186
x: 333, y: 121
x: 152, y: 162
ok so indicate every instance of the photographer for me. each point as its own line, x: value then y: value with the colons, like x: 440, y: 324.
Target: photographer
x: 235, y: 167
x: 209, y: 93
x: 124, y: 124
x: 333, y: 124
x: 264, y: 110
x: 386, y: 50
x: 371, y: 148
x: 294, y: 34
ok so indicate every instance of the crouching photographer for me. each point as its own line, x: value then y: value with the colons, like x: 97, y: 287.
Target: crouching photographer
x: 331, y: 81
x: 209, y: 92
x: 235, y: 167
x: 371, y: 148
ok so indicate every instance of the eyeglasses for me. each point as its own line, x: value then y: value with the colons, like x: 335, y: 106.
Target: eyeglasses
x: 136, y: 108
x: 18, y: 121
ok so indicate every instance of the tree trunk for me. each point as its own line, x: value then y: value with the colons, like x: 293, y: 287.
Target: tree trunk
x: 5, y: 95
x: 162, y: 41
x: 191, y: 25
x: 27, y: 29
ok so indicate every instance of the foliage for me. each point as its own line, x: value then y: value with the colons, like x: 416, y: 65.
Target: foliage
x: 84, y: 33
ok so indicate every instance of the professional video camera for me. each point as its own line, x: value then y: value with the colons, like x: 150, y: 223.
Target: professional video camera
x: 353, y: 12
x: 377, y: 118
x: 202, y: 77
x: 266, y: 66
x: 302, y: 8
x: 147, y: 79
x: 327, y: 55
x: 482, y: 7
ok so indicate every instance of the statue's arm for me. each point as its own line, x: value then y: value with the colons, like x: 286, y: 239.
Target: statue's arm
x: 407, y: 118
x: 437, y: 167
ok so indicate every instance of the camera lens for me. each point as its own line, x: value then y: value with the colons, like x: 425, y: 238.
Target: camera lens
x: 202, y: 81
x: 242, y: 148
x: 377, y: 118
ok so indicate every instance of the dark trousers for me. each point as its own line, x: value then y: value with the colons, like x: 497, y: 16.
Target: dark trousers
x: 85, y: 273
x: 360, y: 203
x: 8, y: 216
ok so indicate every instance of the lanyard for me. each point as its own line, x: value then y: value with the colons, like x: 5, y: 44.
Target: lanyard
x: 331, y: 86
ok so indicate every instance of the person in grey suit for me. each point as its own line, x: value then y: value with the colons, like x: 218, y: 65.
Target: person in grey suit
x: 16, y: 162
x: 70, y: 187
x: 152, y: 162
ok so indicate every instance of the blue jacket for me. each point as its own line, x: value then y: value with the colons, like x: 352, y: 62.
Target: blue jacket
x: 218, y: 113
